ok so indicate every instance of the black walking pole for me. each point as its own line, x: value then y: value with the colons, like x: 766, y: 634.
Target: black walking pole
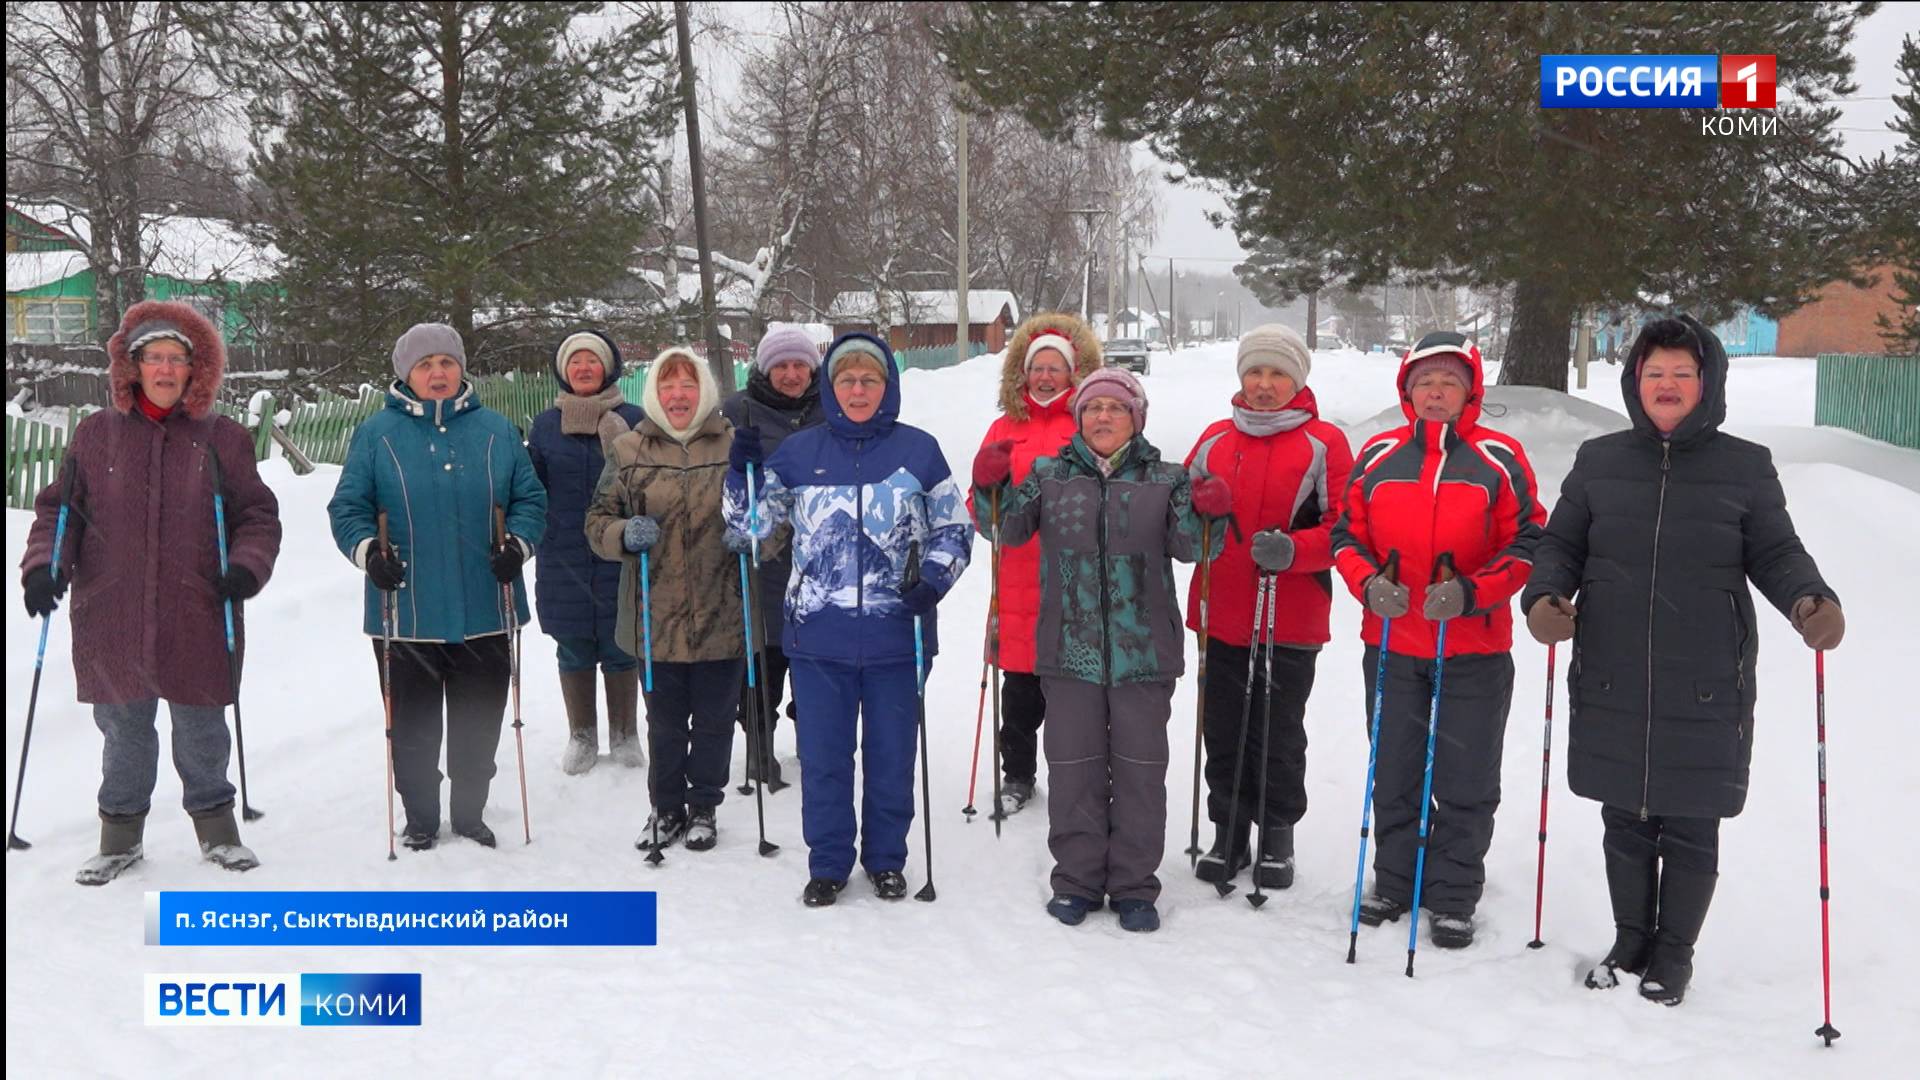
x: 1257, y: 897
x: 1261, y: 597
x: 247, y: 812
x: 14, y: 843
x: 926, y: 892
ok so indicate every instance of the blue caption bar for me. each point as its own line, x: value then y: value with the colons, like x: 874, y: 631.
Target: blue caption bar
x: 1608, y: 81
x: 401, y: 918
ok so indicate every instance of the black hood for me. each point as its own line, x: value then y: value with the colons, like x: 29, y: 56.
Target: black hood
x: 1706, y: 418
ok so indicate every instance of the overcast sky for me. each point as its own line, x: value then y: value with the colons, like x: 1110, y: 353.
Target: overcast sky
x: 1184, y: 230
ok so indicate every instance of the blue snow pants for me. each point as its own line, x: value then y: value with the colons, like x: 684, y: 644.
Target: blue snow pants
x: 833, y: 700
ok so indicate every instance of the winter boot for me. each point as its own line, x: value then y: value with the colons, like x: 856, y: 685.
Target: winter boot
x: 1685, y: 893
x: 663, y: 829
x: 583, y: 734
x: 419, y: 837
x: 1376, y: 909
x: 1218, y: 864
x: 1071, y: 910
x: 1632, y: 884
x: 1138, y: 916
x: 821, y: 892
x: 1014, y: 796
x: 1276, y: 858
x: 220, y: 838
x: 623, y: 718
x: 1452, y: 931
x: 120, y: 847
x: 888, y: 884
x: 477, y: 832
x: 702, y: 831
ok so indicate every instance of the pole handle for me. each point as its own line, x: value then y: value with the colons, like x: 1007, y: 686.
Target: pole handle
x: 1443, y: 567
x: 1392, y: 570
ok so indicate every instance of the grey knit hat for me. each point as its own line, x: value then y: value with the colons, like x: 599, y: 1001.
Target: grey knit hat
x: 1275, y: 346
x: 424, y: 340
x: 153, y: 330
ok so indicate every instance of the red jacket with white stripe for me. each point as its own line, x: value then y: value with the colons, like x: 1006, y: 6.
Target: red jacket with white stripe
x: 1430, y: 488
x: 1289, y: 479
x: 1044, y: 433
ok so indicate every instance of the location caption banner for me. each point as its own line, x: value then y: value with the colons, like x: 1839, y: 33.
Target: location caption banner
x: 437, y: 918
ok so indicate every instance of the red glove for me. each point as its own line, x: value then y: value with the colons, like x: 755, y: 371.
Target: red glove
x: 993, y: 464
x: 1212, y: 497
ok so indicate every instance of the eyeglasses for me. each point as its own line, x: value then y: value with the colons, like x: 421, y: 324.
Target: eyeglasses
x: 867, y: 382
x: 1106, y: 408
x: 166, y: 361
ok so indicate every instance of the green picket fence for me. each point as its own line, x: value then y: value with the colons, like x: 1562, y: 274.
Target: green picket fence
x: 1877, y: 396
x: 34, y: 453
x: 936, y: 356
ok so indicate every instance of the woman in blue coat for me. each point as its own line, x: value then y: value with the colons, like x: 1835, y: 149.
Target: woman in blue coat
x: 861, y: 491
x: 575, y: 592
x: 438, y: 464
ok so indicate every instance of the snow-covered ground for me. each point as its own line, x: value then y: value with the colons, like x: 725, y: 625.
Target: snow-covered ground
x: 983, y: 982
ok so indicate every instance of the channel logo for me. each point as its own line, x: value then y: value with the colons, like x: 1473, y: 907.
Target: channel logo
x: 313, y: 999
x: 1691, y: 81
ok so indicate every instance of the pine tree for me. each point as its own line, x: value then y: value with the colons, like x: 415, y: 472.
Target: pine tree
x: 1406, y: 140
x: 474, y: 163
x: 1897, y: 181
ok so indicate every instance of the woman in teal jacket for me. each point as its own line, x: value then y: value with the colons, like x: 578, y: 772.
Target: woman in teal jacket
x: 439, y: 464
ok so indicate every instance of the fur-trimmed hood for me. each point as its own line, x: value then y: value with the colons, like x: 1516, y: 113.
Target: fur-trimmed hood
x: 209, y: 356
x: 1013, y: 370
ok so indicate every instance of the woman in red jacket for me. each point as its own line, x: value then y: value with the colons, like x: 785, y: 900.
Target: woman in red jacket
x: 1048, y: 356
x: 1442, y: 486
x: 1287, y: 468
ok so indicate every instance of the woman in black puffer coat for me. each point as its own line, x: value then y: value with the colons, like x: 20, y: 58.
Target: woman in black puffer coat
x: 1657, y: 533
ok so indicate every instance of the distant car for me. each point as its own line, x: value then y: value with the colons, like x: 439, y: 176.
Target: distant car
x: 1129, y: 353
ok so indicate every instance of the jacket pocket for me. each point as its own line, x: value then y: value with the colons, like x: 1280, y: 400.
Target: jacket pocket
x: 1718, y: 699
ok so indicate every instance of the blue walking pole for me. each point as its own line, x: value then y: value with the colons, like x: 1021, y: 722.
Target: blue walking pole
x: 1444, y: 573
x: 247, y: 812
x: 755, y: 733
x: 14, y: 843
x: 1373, y: 759
x: 926, y: 892
x: 646, y: 619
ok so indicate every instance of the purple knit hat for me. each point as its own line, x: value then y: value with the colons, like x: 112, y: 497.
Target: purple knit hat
x: 786, y: 343
x: 1116, y: 383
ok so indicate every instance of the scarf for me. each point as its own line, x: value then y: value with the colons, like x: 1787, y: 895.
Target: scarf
x: 593, y: 414
x: 1259, y: 424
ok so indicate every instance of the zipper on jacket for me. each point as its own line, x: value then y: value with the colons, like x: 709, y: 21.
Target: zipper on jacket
x: 1653, y: 589
x: 1106, y: 587
x: 859, y: 526
x: 1739, y: 644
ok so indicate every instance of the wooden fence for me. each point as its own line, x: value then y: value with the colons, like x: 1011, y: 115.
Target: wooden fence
x: 1877, y: 396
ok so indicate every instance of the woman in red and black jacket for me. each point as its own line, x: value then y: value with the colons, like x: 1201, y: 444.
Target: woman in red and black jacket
x: 1441, y: 488
x: 1287, y: 469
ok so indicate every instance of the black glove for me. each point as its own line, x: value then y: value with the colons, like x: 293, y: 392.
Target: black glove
x: 506, y: 560
x: 384, y: 568
x: 43, y: 590
x: 746, y: 449
x: 920, y: 599
x: 238, y: 583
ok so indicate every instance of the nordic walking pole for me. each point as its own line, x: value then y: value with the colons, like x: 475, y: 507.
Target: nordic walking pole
x: 1826, y: 1030
x: 756, y: 704
x: 766, y: 704
x: 989, y: 662
x: 1257, y: 898
x: 926, y: 892
x: 979, y: 715
x: 1546, y: 758
x: 999, y: 815
x: 512, y: 625
x: 1261, y: 596
x: 1443, y: 572
x: 14, y: 843
x: 388, y: 607
x: 1200, y: 709
x: 1392, y: 573
x: 247, y: 812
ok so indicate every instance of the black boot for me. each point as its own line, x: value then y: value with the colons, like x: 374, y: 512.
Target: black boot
x: 1275, y: 870
x: 1685, y: 893
x: 1221, y: 864
x: 1632, y: 884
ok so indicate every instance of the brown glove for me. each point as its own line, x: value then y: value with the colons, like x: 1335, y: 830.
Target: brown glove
x: 1819, y: 621
x: 1550, y: 620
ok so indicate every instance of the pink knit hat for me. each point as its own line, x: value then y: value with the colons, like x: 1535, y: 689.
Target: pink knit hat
x: 1116, y: 383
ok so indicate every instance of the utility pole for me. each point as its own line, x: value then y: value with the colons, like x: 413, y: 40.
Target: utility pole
x: 719, y: 360
x: 1126, y: 268
x: 1088, y: 214
x: 963, y: 325
x: 1113, y: 261
x: 1172, y: 321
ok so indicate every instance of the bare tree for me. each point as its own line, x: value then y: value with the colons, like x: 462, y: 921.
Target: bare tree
x: 106, y: 108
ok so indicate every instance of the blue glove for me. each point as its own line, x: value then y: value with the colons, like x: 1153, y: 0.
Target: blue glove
x: 641, y: 533
x: 737, y: 541
x: 920, y: 599
x: 746, y: 449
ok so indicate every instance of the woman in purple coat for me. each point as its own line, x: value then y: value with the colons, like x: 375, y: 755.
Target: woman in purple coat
x: 141, y: 552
